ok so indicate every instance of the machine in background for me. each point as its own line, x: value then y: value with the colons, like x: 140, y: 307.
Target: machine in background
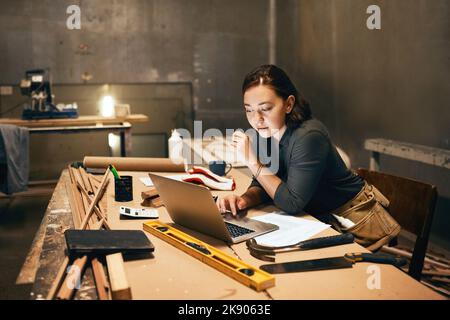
x: 37, y: 86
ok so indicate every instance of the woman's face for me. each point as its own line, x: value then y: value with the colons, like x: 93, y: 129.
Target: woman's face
x: 266, y: 111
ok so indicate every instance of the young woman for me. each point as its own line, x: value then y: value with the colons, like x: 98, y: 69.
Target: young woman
x: 311, y: 176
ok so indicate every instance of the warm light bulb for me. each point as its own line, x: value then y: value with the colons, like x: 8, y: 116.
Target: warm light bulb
x: 107, y: 106
x: 112, y: 140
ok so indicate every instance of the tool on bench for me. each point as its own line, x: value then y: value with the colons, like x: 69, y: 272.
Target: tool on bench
x: 233, y: 267
x: 114, y: 171
x: 102, y: 242
x: 136, y: 213
x: 267, y: 253
x: 37, y: 85
x: 347, y: 261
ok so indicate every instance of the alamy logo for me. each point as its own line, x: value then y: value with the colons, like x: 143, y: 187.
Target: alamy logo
x: 374, y: 20
x: 374, y: 280
x: 73, y: 277
x: 74, y: 20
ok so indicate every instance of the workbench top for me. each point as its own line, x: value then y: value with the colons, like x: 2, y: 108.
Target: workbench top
x: 173, y: 274
x: 80, y: 121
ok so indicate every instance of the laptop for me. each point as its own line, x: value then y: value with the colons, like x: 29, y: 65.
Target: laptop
x: 193, y: 206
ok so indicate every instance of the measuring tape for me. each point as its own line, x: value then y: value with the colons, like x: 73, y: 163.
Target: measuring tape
x: 244, y: 273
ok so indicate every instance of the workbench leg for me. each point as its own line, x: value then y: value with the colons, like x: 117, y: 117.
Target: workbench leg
x: 125, y: 143
x: 375, y: 161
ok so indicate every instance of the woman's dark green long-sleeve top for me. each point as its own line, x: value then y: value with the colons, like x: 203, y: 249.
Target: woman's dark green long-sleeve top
x: 314, y: 177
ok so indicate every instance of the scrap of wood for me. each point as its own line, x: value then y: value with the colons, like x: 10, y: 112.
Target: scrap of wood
x: 69, y: 284
x: 79, y: 121
x: 102, y: 204
x: 434, y: 156
x: 94, y: 202
x: 440, y: 279
x: 74, y: 201
x: 73, y: 206
x: 87, y: 181
x: 101, y: 283
x: 151, y: 193
x: 120, y: 289
x: 156, y: 202
x: 97, y: 210
x: 438, y: 289
x: 65, y: 291
x: 76, y: 195
x: 81, y: 182
x: 96, y: 178
x: 408, y: 255
x: 439, y: 258
x: 151, y: 198
x: 441, y: 273
x: 58, y: 279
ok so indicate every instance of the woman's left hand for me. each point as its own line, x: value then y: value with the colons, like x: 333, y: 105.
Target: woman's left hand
x: 243, y: 145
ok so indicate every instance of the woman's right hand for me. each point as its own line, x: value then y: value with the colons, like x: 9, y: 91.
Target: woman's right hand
x: 233, y: 203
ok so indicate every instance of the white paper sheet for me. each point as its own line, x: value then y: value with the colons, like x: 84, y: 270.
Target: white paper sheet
x: 146, y: 181
x: 149, y: 183
x: 292, y: 229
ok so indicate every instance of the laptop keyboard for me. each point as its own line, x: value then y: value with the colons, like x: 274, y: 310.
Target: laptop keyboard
x: 237, y: 231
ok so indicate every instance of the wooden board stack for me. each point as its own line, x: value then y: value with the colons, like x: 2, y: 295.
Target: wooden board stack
x: 85, y: 192
x: 436, y: 269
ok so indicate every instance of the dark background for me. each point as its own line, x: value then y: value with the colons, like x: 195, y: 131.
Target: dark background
x: 190, y: 57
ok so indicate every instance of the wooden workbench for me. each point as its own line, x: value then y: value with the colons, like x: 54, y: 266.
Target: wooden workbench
x: 172, y: 274
x: 121, y: 125
x: 74, y: 122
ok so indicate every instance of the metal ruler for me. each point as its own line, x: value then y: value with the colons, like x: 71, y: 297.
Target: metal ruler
x: 237, y: 269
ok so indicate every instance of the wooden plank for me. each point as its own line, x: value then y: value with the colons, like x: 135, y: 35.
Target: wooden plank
x: 429, y: 155
x: 438, y: 279
x: 81, y: 120
x: 57, y: 205
x: 439, y: 273
x: 68, y: 286
x: 103, y: 203
x: 78, y: 203
x: 51, y: 255
x: 120, y: 289
x: 438, y: 289
x: 86, y: 181
x: 73, y: 206
x: 101, y: 283
x: 66, y: 291
x: 58, y: 278
x: 98, y: 212
x: 79, y: 183
x: 96, y: 199
x: 409, y: 256
x: 84, y: 128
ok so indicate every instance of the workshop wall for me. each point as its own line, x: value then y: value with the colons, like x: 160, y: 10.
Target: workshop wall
x: 210, y: 44
x: 391, y: 83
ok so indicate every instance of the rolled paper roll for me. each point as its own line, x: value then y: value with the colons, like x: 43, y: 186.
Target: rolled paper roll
x: 135, y: 164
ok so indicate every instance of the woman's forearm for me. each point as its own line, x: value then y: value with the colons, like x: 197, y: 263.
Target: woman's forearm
x: 266, y: 178
x: 254, y: 196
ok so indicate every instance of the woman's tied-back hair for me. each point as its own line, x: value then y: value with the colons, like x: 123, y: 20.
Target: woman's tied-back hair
x: 275, y: 78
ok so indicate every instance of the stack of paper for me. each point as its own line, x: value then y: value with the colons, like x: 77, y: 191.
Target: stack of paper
x: 292, y: 229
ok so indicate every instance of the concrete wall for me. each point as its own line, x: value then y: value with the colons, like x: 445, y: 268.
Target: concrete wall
x: 391, y: 83
x: 211, y: 44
